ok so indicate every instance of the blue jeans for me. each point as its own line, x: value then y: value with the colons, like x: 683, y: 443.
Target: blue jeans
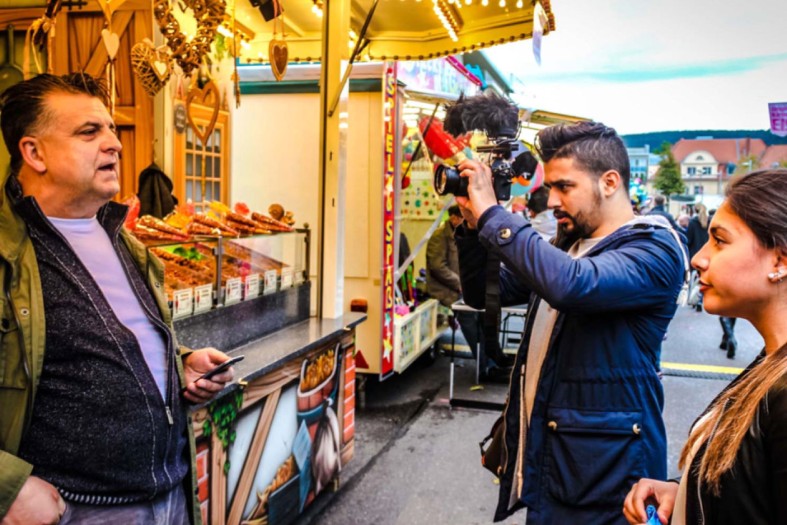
x: 167, y: 509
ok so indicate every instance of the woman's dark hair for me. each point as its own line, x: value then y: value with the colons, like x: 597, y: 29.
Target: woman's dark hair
x: 760, y: 200
x: 595, y: 147
x: 23, y: 109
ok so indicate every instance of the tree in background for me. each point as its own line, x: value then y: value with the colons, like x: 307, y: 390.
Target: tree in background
x: 668, y: 180
x: 746, y: 164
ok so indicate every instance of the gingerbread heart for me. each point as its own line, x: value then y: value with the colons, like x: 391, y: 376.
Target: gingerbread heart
x: 207, y: 96
x: 278, y: 55
x: 111, y: 42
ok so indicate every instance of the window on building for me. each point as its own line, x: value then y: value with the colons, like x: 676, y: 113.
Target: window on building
x: 691, y: 170
x: 698, y: 190
x: 202, y: 170
x: 706, y: 170
x: 700, y: 157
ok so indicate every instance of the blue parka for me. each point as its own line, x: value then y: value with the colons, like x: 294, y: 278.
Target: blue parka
x: 596, y: 424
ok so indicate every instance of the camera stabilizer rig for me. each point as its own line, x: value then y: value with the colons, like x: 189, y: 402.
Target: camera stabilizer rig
x: 499, y: 119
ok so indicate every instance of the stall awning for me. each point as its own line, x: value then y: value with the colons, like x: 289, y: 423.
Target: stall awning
x: 541, y: 119
x: 401, y: 29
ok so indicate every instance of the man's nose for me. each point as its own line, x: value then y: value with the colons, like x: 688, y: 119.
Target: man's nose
x: 112, y: 142
x: 553, y: 201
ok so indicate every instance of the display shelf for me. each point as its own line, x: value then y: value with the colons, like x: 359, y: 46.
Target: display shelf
x: 205, y: 272
x: 414, y: 334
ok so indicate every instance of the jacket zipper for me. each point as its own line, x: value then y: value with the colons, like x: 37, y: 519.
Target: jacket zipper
x: 523, y: 425
x: 171, y: 367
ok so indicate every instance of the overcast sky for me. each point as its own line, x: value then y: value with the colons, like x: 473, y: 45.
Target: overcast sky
x: 654, y: 65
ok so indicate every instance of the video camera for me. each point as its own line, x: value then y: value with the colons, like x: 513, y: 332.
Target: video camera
x: 499, y: 119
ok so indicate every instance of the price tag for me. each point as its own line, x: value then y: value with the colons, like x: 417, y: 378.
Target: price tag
x: 286, y: 278
x: 182, y: 303
x: 252, y: 286
x: 234, y: 291
x: 203, y: 298
x: 270, y: 282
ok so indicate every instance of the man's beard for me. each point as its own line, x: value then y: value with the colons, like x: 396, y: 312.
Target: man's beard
x: 582, y: 225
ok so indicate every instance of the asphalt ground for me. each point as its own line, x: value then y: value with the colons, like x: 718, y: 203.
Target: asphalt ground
x: 417, y: 457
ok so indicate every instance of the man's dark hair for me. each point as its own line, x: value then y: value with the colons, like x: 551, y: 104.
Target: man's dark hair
x: 537, y: 202
x: 454, y: 210
x: 659, y: 200
x: 23, y: 109
x: 596, y: 148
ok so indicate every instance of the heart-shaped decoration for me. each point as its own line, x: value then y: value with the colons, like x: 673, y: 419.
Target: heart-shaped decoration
x: 207, y: 96
x: 111, y: 42
x: 151, y: 67
x: 278, y: 55
x: 162, y: 69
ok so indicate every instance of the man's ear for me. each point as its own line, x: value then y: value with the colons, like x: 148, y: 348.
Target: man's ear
x: 31, y: 154
x: 609, y: 182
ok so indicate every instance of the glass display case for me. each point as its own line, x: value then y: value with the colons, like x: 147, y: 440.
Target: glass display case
x: 205, y: 273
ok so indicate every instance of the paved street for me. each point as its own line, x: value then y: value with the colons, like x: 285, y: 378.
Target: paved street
x: 417, y: 460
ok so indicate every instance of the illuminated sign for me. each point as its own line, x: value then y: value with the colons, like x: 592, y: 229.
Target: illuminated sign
x: 389, y: 159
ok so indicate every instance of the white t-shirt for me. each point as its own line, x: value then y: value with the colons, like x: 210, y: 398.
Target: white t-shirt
x: 92, y: 245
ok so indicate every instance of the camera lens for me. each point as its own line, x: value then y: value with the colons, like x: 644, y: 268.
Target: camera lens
x: 447, y: 181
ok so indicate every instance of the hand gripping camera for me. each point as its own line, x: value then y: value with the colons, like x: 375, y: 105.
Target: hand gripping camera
x: 499, y: 119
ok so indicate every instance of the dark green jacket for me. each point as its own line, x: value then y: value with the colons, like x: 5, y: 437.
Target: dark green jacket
x: 22, y: 346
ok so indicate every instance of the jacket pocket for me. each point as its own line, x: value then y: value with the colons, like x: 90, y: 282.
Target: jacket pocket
x: 593, y: 457
x: 12, y: 372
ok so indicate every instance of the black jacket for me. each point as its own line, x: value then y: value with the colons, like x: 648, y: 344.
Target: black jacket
x: 754, y: 491
x: 659, y: 210
x: 696, y: 236
x: 155, y: 193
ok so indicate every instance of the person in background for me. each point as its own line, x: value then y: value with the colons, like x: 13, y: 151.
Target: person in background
x: 541, y: 217
x: 659, y: 203
x: 735, y: 460
x: 728, y: 341
x: 93, y: 426
x: 697, y: 236
x: 442, y: 281
x: 683, y: 221
x: 585, y: 399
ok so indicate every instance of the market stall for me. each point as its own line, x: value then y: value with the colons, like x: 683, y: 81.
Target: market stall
x: 389, y: 195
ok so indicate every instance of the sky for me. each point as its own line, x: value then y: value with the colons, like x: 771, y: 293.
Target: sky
x: 656, y: 65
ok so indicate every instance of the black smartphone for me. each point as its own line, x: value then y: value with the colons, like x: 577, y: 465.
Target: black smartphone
x: 220, y: 368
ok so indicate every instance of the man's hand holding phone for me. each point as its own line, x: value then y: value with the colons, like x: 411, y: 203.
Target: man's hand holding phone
x: 207, y: 371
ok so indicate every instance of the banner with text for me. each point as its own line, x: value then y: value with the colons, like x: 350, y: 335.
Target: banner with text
x: 778, y: 112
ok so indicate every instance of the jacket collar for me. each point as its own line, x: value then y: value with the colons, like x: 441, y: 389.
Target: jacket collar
x: 111, y: 216
x: 11, y: 225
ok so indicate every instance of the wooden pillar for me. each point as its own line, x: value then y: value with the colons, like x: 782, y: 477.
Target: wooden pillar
x: 333, y: 159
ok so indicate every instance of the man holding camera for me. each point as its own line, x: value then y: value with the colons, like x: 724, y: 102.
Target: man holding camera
x: 583, y: 418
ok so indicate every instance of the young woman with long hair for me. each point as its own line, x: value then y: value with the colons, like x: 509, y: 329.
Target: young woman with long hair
x: 735, y: 459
